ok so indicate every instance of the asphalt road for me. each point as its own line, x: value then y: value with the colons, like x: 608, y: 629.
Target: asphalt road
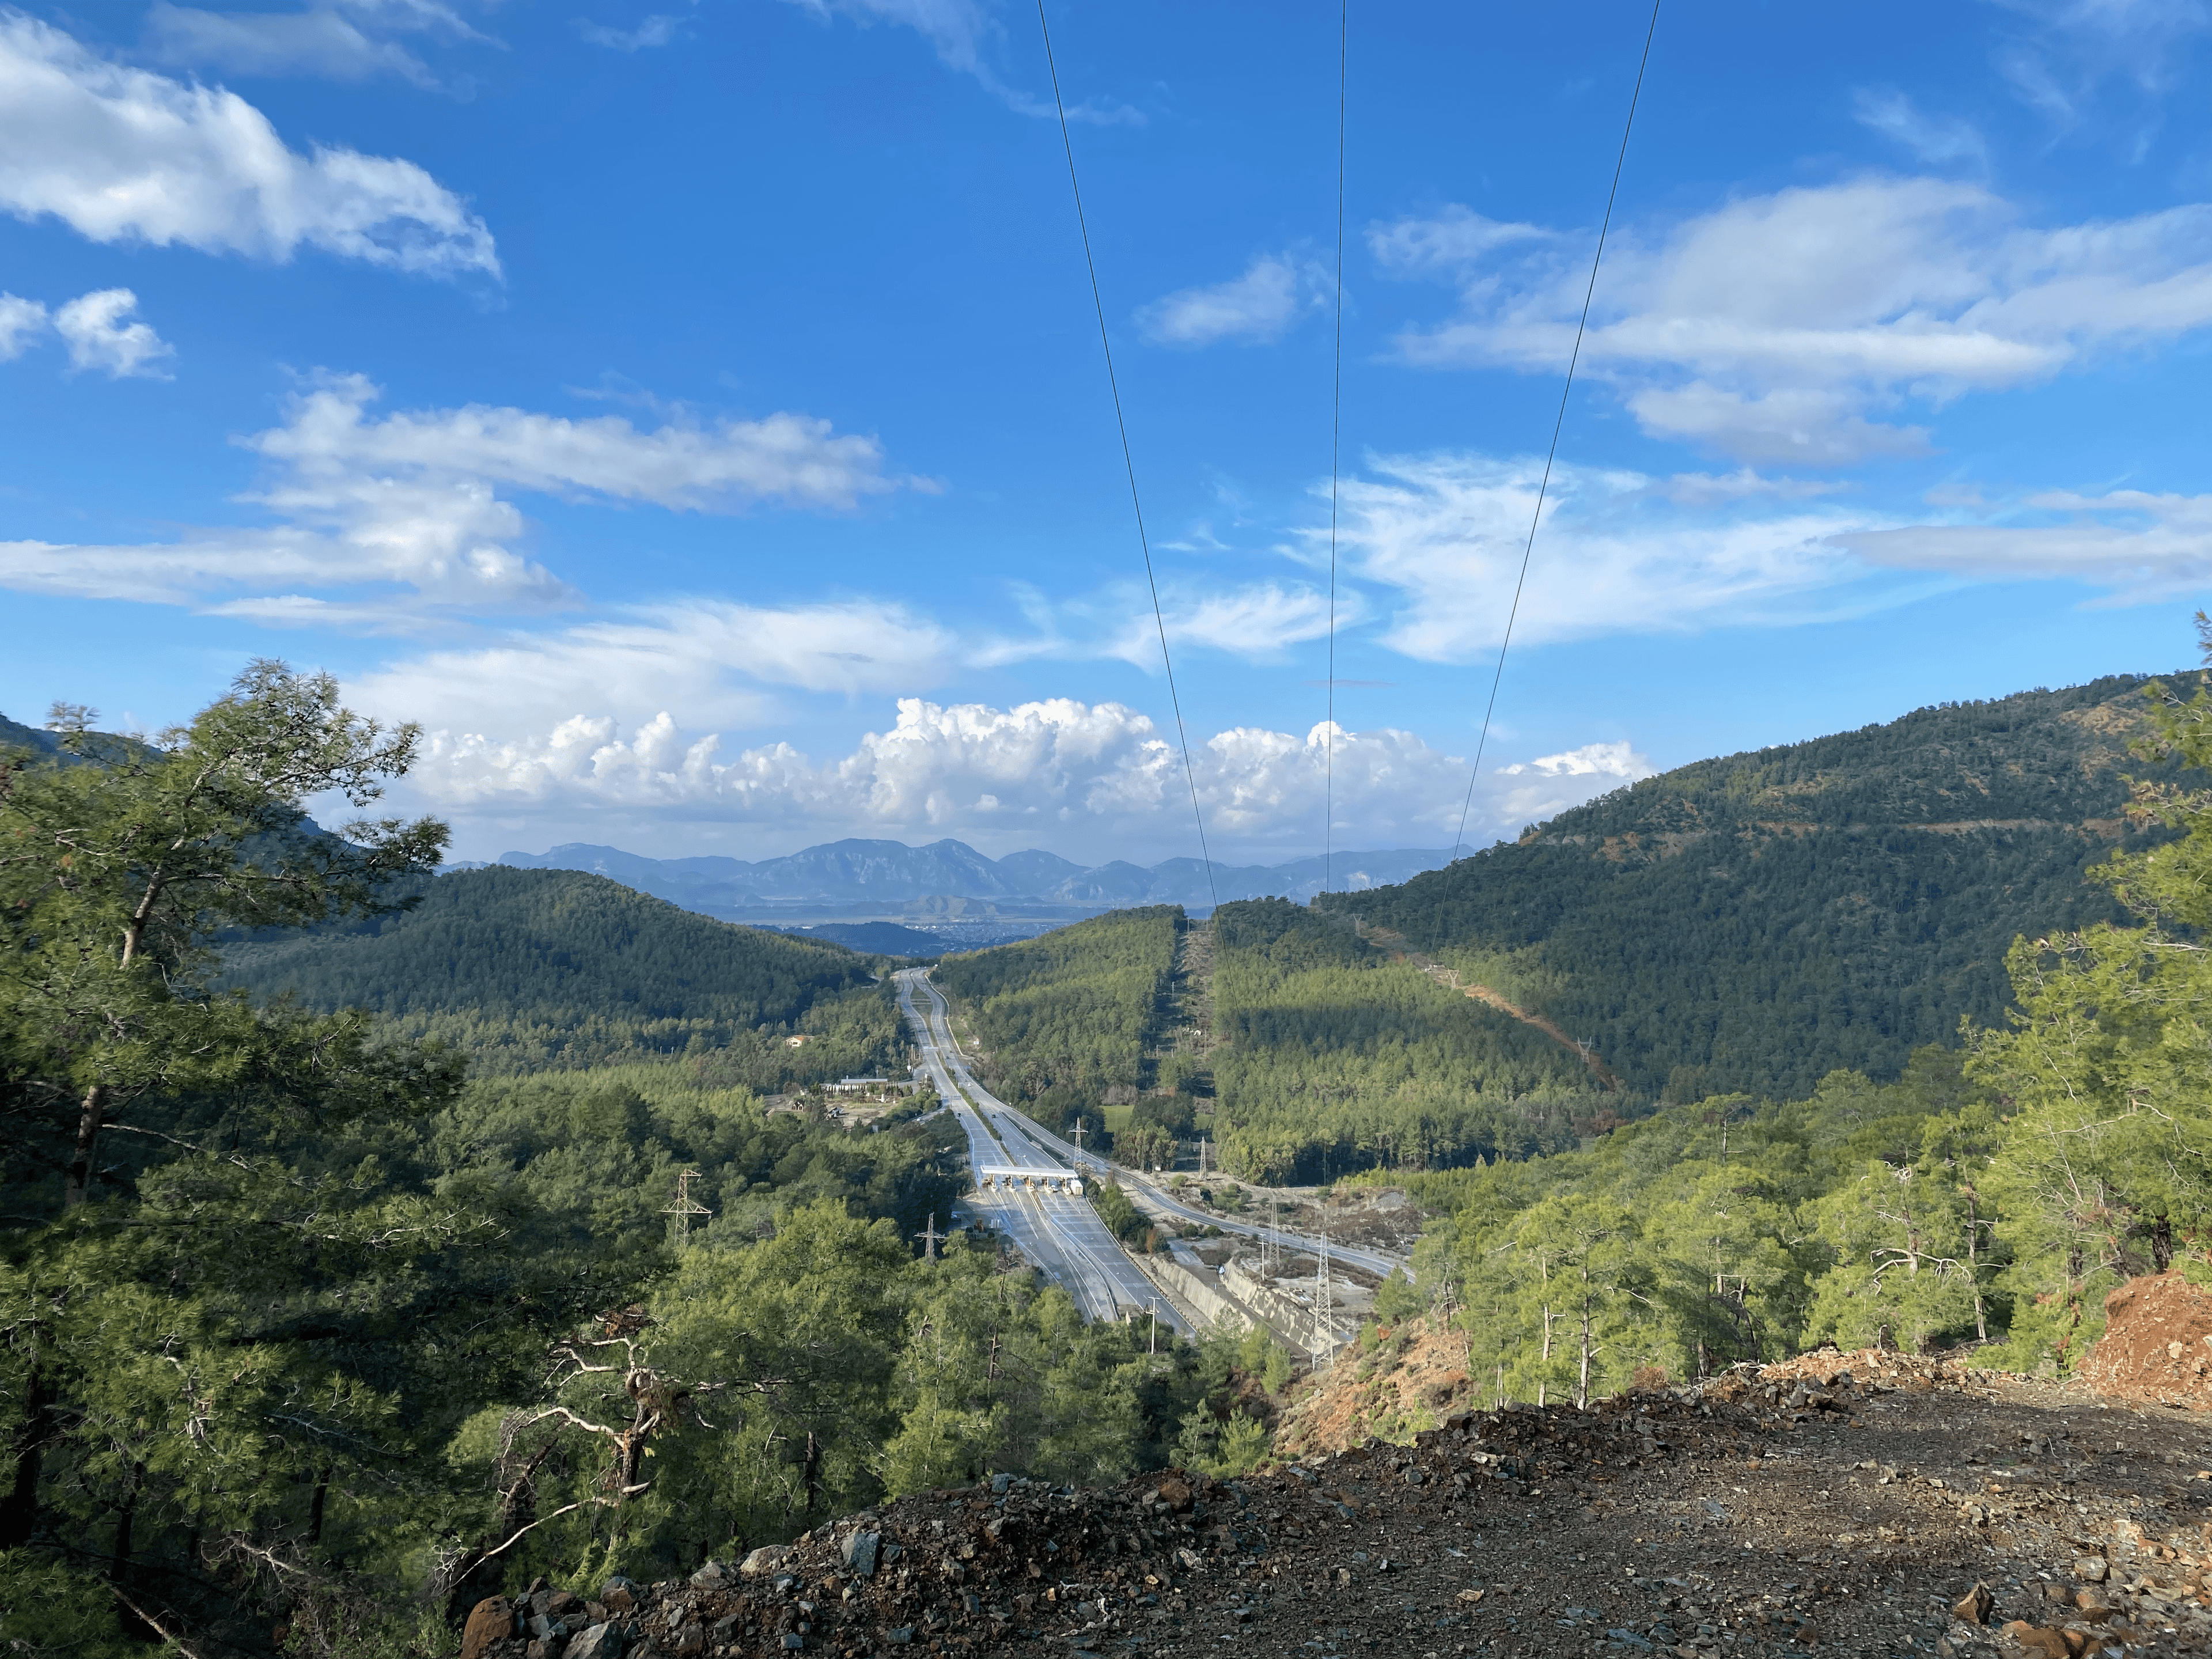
x: 1060, y: 1232
x: 1150, y: 1195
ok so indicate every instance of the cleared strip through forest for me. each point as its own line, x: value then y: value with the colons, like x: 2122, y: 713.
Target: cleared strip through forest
x: 1400, y: 950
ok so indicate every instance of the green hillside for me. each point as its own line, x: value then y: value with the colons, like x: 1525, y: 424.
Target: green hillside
x: 1754, y: 922
x: 1064, y: 1020
x: 1302, y: 1050
x: 1334, y: 1055
x: 527, y: 970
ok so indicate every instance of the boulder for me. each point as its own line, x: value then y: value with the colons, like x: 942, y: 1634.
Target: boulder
x: 490, y: 1620
x: 767, y: 1558
x: 621, y: 1595
x: 859, y: 1552
x: 600, y: 1642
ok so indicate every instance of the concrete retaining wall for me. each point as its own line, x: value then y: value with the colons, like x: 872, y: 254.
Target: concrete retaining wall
x: 1279, y: 1310
x: 1189, y: 1288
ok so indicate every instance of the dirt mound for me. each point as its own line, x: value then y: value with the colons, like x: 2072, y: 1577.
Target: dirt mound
x: 1411, y: 1379
x: 2157, y: 1344
x: 1879, y: 1366
x: 1757, y: 1515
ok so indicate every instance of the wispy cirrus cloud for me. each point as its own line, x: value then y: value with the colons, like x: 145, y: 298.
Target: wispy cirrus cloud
x: 124, y: 154
x: 2063, y: 52
x: 1274, y: 294
x: 330, y: 39
x: 1934, y: 141
x: 1789, y: 327
x: 1443, y: 535
x: 2137, y: 545
x: 386, y: 522
x: 959, y: 31
x: 658, y: 30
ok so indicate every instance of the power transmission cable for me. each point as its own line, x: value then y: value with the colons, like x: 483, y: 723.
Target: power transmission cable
x: 1335, y: 435
x: 1542, y: 489
x: 1128, y: 460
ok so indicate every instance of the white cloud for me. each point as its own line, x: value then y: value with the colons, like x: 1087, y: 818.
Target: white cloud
x: 1931, y: 139
x: 956, y: 30
x: 335, y: 40
x: 1774, y: 327
x: 124, y: 154
x: 1257, y: 620
x: 1448, y: 531
x: 1447, y: 242
x: 655, y: 31
x: 796, y: 460
x: 708, y: 657
x: 1057, y: 770
x: 95, y: 329
x: 411, y: 506
x: 2073, y: 46
x: 1709, y: 489
x: 1275, y: 291
x: 21, y: 321
x: 1592, y: 759
x: 2139, y: 545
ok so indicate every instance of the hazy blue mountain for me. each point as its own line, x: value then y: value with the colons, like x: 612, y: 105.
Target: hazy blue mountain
x: 890, y: 873
x: 15, y: 736
x: 1035, y: 871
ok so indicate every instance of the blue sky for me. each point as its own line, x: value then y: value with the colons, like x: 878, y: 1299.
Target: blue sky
x: 694, y: 414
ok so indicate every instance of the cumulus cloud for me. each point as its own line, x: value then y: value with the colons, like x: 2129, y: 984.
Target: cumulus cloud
x: 95, y: 328
x: 2140, y: 546
x: 334, y: 40
x: 1780, y: 327
x: 411, y: 506
x: 124, y: 155
x: 1060, y: 769
x: 22, y: 322
x: 1447, y: 532
x: 1276, y: 291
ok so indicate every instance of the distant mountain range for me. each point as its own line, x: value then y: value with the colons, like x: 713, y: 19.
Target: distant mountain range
x: 887, y: 872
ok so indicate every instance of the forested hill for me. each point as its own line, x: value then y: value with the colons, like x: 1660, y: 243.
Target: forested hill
x: 533, y: 968
x: 1754, y: 922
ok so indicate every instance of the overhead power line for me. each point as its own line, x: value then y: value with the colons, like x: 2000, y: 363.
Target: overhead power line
x: 1335, y: 433
x: 1128, y: 459
x: 1544, y: 487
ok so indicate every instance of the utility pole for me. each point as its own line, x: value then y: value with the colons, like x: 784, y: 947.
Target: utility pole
x: 1153, y: 1308
x: 684, y: 1206
x: 1327, y: 1298
x: 929, y: 1236
x: 1201, y: 1154
x: 1078, y: 1142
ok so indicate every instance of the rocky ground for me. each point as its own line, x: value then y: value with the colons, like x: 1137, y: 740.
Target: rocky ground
x: 1855, y: 1504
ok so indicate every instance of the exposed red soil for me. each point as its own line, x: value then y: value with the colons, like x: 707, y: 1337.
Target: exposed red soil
x: 2157, y: 1344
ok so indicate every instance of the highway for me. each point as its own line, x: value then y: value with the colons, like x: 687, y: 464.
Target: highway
x: 1060, y: 1232
x: 1151, y: 1196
